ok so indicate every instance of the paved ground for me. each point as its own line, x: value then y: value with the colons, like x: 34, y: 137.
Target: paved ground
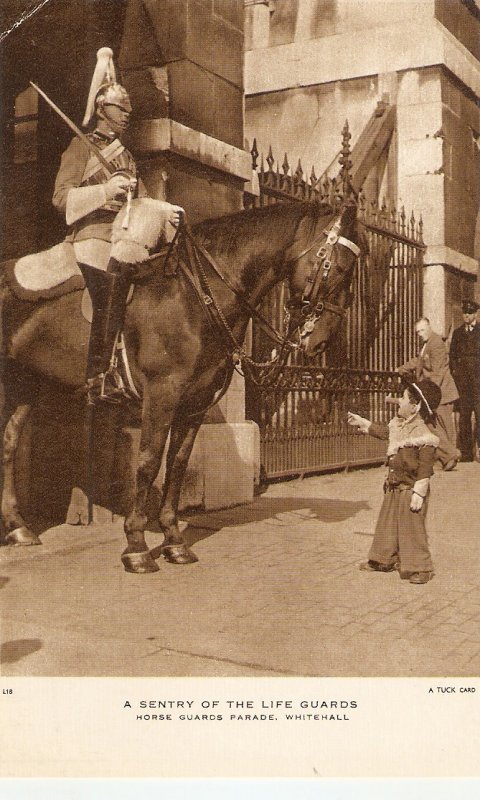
x: 277, y: 591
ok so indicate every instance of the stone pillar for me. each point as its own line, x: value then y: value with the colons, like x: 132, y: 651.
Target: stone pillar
x: 257, y: 23
x: 434, y: 297
x: 182, y: 64
x: 430, y: 167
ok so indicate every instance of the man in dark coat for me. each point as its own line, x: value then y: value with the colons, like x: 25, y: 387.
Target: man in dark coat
x: 465, y: 368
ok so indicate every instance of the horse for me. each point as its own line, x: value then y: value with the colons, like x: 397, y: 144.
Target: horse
x: 183, y: 331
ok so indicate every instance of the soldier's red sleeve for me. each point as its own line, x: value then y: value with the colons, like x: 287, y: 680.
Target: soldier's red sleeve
x: 70, y: 173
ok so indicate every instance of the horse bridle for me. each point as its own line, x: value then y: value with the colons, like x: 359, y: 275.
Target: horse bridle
x: 312, y: 303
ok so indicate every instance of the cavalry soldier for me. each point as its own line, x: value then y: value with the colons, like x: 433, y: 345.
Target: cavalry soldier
x: 90, y: 197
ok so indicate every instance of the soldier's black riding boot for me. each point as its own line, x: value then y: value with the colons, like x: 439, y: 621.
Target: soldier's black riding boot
x: 109, y: 292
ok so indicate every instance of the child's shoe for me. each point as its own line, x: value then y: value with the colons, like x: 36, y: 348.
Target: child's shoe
x: 375, y: 566
x: 421, y: 577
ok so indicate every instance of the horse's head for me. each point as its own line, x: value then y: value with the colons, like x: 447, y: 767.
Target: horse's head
x: 322, y: 259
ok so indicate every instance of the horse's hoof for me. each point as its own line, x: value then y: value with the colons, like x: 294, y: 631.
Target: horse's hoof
x: 178, y: 554
x: 21, y: 537
x: 139, y: 563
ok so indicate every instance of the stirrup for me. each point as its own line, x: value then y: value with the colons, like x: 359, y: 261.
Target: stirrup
x: 107, y: 387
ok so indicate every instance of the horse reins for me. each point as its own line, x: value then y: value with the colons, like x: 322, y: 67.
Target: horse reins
x: 311, y: 305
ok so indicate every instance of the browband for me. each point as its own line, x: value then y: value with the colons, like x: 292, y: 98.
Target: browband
x: 351, y: 246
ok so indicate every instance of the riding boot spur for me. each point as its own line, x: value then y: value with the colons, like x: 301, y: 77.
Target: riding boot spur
x: 109, y: 292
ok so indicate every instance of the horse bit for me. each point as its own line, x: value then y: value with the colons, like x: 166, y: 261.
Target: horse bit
x: 311, y: 305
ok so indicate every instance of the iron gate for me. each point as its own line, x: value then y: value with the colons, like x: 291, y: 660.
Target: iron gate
x: 302, y: 420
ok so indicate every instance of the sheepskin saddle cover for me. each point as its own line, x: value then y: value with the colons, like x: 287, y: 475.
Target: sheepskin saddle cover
x: 55, y: 272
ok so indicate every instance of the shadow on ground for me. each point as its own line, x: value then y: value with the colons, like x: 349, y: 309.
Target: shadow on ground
x: 302, y: 509
x: 11, y: 652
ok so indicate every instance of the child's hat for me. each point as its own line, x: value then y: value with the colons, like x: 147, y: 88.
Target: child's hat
x: 427, y: 393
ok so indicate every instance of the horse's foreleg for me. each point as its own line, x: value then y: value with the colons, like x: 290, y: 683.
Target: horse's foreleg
x: 136, y: 557
x: 16, y: 530
x: 182, y: 438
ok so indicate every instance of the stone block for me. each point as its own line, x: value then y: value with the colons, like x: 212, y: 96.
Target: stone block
x: 219, y: 48
x: 283, y: 118
x: 424, y: 194
x: 168, y: 20
x: 434, y: 296
x: 420, y: 157
x: 233, y: 13
x: 149, y: 92
x: 151, y: 35
x: 283, y: 22
x: 257, y: 26
x: 78, y: 511
x: 231, y: 407
x: 164, y: 136
x: 221, y: 472
x: 461, y: 218
x: 229, y: 464
x: 419, y: 86
x: 461, y: 23
x: 228, y: 113
x: 200, y: 193
x: 423, y: 121
x: 455, y: 260
x: 195, y: 97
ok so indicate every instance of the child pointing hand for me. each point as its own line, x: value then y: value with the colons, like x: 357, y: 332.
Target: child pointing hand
x: 400, y: 538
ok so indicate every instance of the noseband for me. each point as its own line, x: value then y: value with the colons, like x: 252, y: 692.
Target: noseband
x: 313, y: 302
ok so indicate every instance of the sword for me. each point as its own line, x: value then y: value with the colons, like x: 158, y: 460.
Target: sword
x: 91, y: 146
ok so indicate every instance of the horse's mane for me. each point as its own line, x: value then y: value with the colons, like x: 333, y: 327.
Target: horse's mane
x: 227, y: 231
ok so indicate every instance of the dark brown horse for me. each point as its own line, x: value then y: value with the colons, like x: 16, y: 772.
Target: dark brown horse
x: 179, y: 354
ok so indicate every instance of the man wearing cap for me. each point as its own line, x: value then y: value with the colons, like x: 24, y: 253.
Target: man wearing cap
x: 90, y: 197
x: 465, y: 366
x: 432, y: 363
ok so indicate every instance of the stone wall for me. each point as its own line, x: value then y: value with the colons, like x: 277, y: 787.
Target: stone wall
x: 310, y: 65
x: 460, y: 127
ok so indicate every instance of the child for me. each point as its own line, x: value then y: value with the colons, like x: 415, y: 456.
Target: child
x: 400, y: 539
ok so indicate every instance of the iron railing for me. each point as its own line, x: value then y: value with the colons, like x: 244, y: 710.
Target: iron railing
x: 302, y: 420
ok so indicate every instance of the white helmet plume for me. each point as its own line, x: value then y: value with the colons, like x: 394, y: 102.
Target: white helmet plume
x: 103, y: 74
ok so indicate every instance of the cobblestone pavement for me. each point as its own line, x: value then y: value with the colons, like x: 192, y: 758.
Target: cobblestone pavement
x: 277, y: 592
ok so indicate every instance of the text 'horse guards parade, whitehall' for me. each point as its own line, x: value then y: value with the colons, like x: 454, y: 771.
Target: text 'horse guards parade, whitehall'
x: 183, y: 330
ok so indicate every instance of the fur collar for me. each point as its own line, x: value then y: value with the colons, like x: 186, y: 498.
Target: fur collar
x: 411, y: 432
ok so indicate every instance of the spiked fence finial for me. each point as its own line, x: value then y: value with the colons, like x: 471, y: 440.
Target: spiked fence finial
x: 345, y: 161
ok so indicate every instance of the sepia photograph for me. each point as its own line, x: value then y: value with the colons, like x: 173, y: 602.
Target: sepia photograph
x: 240, y: 388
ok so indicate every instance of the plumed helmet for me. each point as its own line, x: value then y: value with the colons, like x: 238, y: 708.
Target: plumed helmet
x: 104, y: 88
x: 113, y: 94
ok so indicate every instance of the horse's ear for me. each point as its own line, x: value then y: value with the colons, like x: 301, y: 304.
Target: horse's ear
x: 349, y: 213
x: 318, y: 208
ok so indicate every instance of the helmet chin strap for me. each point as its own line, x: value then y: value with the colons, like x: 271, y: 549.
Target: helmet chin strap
x: 115, y: 127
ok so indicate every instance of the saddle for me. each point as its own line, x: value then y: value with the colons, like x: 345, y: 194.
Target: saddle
x: 45, y: 275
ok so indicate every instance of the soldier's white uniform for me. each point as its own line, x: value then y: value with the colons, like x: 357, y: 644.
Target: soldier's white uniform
x: 80, y: 195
